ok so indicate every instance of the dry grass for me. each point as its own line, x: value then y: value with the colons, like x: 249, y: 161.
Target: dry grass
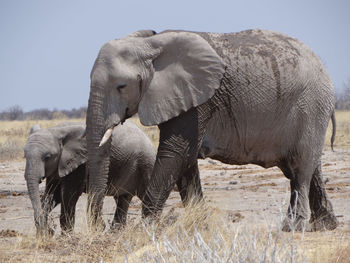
x: 197, y: 234
x: 331, y: 249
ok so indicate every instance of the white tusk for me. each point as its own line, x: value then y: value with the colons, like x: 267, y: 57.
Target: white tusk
x: 83, y: 135
x: 106, y: 136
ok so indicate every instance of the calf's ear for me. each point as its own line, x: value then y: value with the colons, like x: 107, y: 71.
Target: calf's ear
x: 73, y: 155
x: 74, y: 151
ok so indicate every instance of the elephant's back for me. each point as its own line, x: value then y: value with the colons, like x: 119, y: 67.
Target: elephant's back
x: 256, y: 43
x: 273, y: 69
x: 263, y: 56
x: 275, y: 89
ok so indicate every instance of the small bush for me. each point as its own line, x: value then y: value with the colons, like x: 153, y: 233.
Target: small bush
x: 11, y: 149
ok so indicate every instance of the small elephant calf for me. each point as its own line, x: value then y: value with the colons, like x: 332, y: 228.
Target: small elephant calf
x: 59, y: 154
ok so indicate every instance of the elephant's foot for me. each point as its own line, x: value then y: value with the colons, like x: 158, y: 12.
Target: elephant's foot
x: 151, y: 210
x: 326, y: 221
x: 44, y: 232
x: 66, y: 230
x: 298, y: 224
x: 97, y: 224
x: 117, y: 226
x: 151, y: 219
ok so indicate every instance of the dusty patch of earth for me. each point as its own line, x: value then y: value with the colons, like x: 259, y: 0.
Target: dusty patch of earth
x: 250, y: 194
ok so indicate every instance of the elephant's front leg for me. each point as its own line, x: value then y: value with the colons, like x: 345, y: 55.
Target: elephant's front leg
x: 72, y: 187
x: 121, y: 211
x: 189, y: 186
x: 176, y: 157
x: 49, y: 201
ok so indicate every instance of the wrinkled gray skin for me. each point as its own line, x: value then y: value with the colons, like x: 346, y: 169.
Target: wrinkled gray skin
x: 59, y: 154
x: 218, y: 144
x: 269, y: 97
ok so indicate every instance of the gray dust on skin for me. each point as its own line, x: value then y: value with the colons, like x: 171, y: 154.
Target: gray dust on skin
x: 274, y: 105
x: 258, y: 121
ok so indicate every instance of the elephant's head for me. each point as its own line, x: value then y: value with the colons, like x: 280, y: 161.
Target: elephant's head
x: 51, y: 153
x: 158, y: 76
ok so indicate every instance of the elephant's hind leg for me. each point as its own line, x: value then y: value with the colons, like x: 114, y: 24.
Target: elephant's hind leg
x: 300, y: 174
x: 121, y: 211
x: 322, y: 215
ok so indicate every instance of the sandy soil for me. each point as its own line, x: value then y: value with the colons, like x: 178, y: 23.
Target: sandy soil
x: 249, y: 194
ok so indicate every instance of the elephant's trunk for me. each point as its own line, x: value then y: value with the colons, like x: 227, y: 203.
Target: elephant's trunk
x: 98, y: 157
x: 33, y: 175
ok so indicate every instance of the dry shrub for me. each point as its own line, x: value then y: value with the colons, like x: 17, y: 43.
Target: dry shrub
x: 329, y: 247
x: 341, y: 255
x: 11, y: 149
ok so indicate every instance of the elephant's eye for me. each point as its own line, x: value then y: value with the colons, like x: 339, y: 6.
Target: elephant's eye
x: 46, y: 156
x: 120, y: 87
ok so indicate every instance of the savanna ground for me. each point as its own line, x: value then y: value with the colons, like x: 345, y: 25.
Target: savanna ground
x: 239, y: 221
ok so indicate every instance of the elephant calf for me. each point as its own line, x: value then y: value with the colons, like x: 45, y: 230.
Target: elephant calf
x: 59, y: 154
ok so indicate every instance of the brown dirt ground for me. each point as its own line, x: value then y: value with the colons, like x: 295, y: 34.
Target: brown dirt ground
x: 249, y: 194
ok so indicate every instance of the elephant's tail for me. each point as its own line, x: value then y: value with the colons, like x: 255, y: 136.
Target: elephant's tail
x: 334, y: 124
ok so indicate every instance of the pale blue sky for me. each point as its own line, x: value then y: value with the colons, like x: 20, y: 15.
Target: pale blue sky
x: 47, y: 48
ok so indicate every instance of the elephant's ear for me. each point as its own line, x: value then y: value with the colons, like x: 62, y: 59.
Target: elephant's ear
x: 74, y: 153
x: 187, y: 71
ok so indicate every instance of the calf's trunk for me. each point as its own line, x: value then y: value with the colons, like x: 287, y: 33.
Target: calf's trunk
x: 33, y: 176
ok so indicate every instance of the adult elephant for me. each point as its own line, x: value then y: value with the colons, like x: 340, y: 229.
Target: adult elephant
x: 59, y: 155
x: 271, y: 93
